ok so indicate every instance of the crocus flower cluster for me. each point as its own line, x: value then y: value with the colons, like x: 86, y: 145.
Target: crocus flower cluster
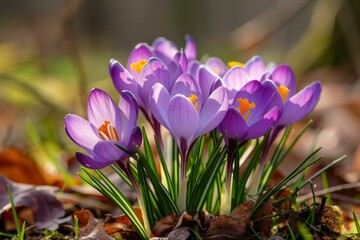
x: 173, y: 89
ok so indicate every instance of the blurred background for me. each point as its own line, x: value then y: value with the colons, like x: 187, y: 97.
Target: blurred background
x: 52, y: 53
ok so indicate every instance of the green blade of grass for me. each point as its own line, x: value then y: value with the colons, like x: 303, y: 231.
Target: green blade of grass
x: 109, y: 190
x: 17, y: 225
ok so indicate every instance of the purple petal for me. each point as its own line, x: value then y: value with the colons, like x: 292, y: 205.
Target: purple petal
x: 108, y: 152
x: 181, y: 60
x: 217, y: 66
x: 81, y: 132
x: 129, y: 114
x: 89, y: 162
x: 155, y: 71
x: 165, y: 49
x: 234, y: 80
x: 284, y: 76
x: 183, y: 118
x: 102, y: 108
x: 193, y: 67
x: 190, y: 47
x: 142, y: 51
x: 301, y: 104
x: 159, y: 102
x: 213, y: 111
x: 206, y: 80
x: 260, y: 128
x: 255, y: 67
x: 233, y: 125
x: 121, y: 78
x: 185, y: 85
x: 135, y: 138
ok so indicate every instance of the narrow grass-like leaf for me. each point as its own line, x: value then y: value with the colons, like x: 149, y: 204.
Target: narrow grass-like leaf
x: 328, y: 166
x: 206, y: 179
x: 163, y: 196
x: 175, y: 167
x: 76, y: 226
x: 356, y: 221
x: 241, y: 193
x: 16, y: 220
x: 146, y: 200
x: 109, y: 190
x: 167, y: 176
x: 147, y: 150
x: 6, y: 235
x: 305, y: 164
x: 236, y: 174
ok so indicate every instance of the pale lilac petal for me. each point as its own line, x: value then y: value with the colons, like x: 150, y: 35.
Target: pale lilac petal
x: 81, y: 132
x: 121, y: 78
x: 316, y: 88
x: 298, y: 106
x: 233, y: 125
x: 190, y: 47
x: 234, y: 80
x: 206, y: 79
x: 263, y: 125
x: 164, y: 49
x: 107, y: 151
x: 159, y: 101
x: 183, y: 118
x: 284, y: 76
x: 185, y: 85
x: 182, y: 61
x: 102, y: 108
x: 193, y: 67
x: 155, y: 71
x: 129, y: 114
x: 255, y: 68
x: 89, y: 162
x: 217, y: 66
x: 213, y: 111
x: 142, y: 51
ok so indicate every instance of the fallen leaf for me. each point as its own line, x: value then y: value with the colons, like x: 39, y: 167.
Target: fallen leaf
x: 47, y: 210
x: 19, y: 167
x: 233, y: 226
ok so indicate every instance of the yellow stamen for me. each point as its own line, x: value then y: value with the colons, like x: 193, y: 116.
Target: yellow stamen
x: 245, y: 106
x: 235, y: 63
x: 138, y: 66
x: 284, y: 92
x: 108, y: 132
x: 217, y: 70
x: 193, y: 98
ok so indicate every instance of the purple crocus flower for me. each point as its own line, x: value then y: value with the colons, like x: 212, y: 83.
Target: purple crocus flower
x: 252, y: 113
x: 295, y: 106
x: 108, y: 125
x: 186, y: 113
x: 162, y: 62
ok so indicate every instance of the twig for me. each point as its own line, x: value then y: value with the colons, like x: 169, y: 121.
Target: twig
x: 329, y: 190
x: 71, y: 9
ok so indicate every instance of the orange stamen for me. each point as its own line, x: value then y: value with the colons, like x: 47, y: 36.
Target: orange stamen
x: 138, y: 66
x: 284, y: 92
x: 193, y: 98
x: 245, y: 106
x: 108, y: 132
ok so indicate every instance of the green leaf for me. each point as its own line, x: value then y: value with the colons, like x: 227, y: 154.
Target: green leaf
x: 168, y: 179
x: 108, y: 189
x: 163, y: 196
